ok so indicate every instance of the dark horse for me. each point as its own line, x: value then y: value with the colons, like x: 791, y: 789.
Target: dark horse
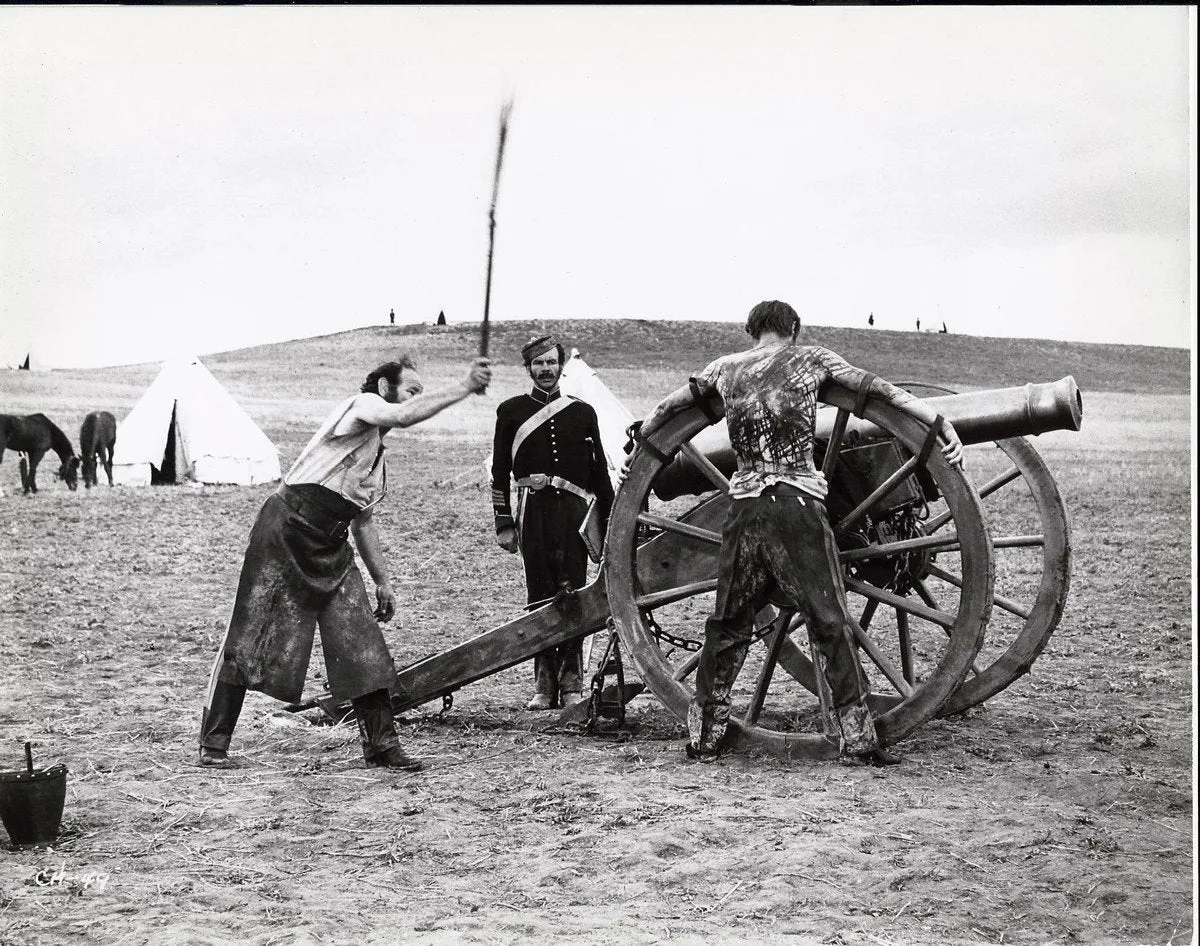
x: 97, y: 437
x: 32, y: 436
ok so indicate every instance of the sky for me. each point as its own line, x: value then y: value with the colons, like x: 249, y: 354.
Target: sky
x: 181, y: 180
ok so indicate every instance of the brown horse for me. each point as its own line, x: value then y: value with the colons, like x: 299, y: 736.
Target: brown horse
x: 31, y: 436
x: 97, y: 437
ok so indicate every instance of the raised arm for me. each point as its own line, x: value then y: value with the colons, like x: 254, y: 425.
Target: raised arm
x: 850, y: 377
x: 702, y: 385
x: 380, y: 413
x: 678, y: 400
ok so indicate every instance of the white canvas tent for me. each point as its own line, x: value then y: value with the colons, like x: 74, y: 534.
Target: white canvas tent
x: 186, y: 426
x: 15, y: 353
x: 580, y: 380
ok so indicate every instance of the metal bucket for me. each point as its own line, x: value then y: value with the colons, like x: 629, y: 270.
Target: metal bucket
x: 31, y: 805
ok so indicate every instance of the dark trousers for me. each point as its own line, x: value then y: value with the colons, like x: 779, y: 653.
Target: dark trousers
x: 779, y: 539
x: 376, y: 727
x: 555, y: 560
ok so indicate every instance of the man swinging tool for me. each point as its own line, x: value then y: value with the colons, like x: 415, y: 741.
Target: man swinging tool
x: 300, y: 571
x: 550, y: 445
x: 777, y: 532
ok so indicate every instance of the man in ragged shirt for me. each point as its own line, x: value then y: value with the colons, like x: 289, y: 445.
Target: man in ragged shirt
x: 777, y: 531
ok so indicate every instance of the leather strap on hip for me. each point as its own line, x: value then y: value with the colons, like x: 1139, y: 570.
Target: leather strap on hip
x: 536, y: 481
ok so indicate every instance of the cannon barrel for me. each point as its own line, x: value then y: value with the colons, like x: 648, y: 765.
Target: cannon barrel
x: 978, y: 417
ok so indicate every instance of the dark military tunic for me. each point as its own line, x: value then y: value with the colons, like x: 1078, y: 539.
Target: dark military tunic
x: 566, y: 446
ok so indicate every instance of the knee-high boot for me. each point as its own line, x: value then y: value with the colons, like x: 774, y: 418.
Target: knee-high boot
x: 221, y: 716
x: 375, y: 724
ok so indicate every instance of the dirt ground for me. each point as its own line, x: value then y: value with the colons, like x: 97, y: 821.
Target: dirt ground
x: 1059, y: 812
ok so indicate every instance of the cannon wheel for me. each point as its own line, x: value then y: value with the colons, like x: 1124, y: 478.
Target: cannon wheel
x: 1040, y: 611
x: 635, y: 589
x: 1030, y: 595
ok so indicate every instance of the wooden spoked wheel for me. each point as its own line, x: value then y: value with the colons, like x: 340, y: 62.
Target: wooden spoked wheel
x: 1031, y: 539
x: 661, y: 574
x: 1031, y: 559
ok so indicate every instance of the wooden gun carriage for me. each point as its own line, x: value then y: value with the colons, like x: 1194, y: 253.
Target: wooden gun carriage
x: 957, y: 586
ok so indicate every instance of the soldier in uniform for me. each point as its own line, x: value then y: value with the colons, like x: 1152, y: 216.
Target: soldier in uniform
x: 777, y: 532
x: 549, y: 444
x: 300, y: 572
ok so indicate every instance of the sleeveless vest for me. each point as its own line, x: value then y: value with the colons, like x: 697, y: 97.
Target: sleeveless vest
x: 350, y: 464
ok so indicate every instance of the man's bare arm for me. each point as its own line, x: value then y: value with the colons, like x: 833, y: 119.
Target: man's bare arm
x: 421, y: 407
x: 849, y: 377
x: 915, y: 407
x: 366, y: 538
x: 678, y: 400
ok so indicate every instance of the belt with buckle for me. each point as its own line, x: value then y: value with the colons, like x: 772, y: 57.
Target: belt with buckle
x: 537, y: 481
x: 320, y: 519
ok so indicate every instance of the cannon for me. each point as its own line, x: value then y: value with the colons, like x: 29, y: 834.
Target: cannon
x: 958, y: 586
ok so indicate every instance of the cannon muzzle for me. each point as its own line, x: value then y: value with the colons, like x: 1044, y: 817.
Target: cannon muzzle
x: 979, y: 417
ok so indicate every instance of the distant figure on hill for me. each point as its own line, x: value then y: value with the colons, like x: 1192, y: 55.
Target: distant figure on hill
x: 918, y: 324
x: 943, y: 331
x: 392, y: 316
x: 871, y: 319
x: 441, y: 318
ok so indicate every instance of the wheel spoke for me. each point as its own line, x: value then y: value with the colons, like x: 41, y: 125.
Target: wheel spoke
x: 877, y: 494
x: 667, y: 524
x: 1000, y: 601
x: 906, y: 663
x: 1007, y: 604
x: 900, y: 603
x: 926, y: 595
x: 783, y: 626
x: 658, y: 598
x: 946, y: 543
x: 1019, y: 542
x: 988, y: 488
x: 835, y: 442
x: 944, y: 575
x: 868, y: 613
x: 683, y: 671
x: 706, y: 467
x: 1002, y: 480
x: 886, y: 667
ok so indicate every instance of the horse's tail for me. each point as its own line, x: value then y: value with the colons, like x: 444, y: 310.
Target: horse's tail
x: 87, y: 435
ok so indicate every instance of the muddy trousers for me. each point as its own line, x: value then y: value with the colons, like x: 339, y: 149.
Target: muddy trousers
x: 780, y: 541
x: 376, y: 726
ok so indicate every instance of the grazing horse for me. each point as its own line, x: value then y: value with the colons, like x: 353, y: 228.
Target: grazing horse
x: 97, y: 437
x: 32, y: 435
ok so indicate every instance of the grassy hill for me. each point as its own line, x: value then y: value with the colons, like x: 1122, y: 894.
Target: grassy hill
x: 682, y: 347
x: 289, y: 384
